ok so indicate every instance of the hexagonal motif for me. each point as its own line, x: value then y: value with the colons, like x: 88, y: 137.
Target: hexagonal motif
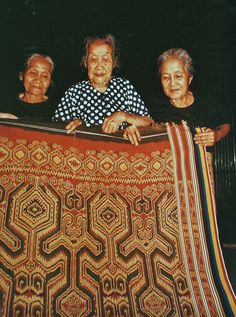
x: 74, y: 304
x: 33, y: 207
x: 181, y: 284
x: 57, y: 160
x: 156, y: 166
x: 123, y: 166
x: 187, y: 309
x: 34, y: 210
x: 108, y: 213
x: 19, y: 154
x: 90, y: 165
x: 140, y: 168
x: 74, y: 163
x: 155, y: 303
x: 39, y: 156
x: 107, y: 165
x: 21, y: 282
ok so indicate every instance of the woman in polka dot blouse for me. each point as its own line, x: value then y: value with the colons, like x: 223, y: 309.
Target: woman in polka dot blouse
x: 103, y: 99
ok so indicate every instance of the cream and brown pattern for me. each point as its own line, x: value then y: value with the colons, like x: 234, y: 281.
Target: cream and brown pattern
x: 89, y: 228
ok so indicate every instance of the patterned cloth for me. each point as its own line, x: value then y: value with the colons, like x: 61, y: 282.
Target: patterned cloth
x: 84, y: 102
x: 101, y: 228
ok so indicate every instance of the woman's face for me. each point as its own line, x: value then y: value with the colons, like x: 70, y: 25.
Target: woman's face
x: 175, y: 79
x: 100, y: 64
x: 37, y: 77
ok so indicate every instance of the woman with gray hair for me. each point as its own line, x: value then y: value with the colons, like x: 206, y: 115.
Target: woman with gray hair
x: 180, y: 103
x: 103, y: 99
x: 32, y: 102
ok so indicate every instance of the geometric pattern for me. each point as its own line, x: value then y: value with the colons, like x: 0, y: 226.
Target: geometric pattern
x: 90, y: 227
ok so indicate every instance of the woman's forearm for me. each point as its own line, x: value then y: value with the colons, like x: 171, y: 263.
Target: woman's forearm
x: 221, y: 131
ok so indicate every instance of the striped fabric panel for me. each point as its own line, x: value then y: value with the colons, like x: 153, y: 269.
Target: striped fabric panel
x: 224, y: 287
x: 210, y: 288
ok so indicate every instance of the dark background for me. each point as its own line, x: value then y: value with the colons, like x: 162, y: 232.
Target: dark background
x: 143, y: 29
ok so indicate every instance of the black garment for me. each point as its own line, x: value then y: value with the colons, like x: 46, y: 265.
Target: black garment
x: 201, y: 113
x: 29, y: 111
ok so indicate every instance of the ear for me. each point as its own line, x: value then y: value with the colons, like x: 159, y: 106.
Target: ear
x: 20, y: 76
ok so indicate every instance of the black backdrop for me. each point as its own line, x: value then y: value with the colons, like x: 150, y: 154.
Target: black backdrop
x: 143, y: 28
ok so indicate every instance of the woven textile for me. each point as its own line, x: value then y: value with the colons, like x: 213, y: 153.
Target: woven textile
x: 96, y: 227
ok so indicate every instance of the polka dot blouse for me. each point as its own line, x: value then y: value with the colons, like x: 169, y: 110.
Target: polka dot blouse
x: 82, y: 101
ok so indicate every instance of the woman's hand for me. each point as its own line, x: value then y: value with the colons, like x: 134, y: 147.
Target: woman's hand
x: 111, y: 124
x: 73, y: 125
x: 5, y: 115
x: 209, y: 137
x: 205, y: 138
x: 132, y: 134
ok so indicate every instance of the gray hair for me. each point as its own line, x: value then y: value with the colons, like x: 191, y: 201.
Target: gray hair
x: 32, y: 56
x: 177, y: 53
x: 107, y: 39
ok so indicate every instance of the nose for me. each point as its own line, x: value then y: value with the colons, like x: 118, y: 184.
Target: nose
x: 172, y: 81
x: 37, y: 78
x: 99, y: 64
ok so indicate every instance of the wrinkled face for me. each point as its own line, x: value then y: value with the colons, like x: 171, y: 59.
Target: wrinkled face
x: 37, y: 77
x: 100, y: 64
x: 175, y: 79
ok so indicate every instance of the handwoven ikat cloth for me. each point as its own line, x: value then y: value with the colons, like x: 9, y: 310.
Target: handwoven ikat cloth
x: 96, y: 227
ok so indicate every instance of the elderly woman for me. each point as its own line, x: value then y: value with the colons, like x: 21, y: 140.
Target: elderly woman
x: 176, y: 71
x: 32, y: 102
x: 103, y: 99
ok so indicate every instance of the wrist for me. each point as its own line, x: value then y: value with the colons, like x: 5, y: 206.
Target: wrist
x: 218, y: 135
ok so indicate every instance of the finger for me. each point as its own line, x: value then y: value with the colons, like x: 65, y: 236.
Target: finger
x: 68, y: 126
x: 125, y: 136
x: 71, y: 127
x: 130, y: 138
x: 105, y: 125
x: 133, y: 138
x: 71, y: 130
x: 137, y: 134
x: 136, y: 141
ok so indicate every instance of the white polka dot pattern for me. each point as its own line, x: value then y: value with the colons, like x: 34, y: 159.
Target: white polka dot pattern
x: 82, y: 101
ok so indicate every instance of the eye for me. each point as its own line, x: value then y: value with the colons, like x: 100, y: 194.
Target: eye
x: 106, y: 58
x: 179, y: 76
x: 32, y: 72
x: 92, y: 59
